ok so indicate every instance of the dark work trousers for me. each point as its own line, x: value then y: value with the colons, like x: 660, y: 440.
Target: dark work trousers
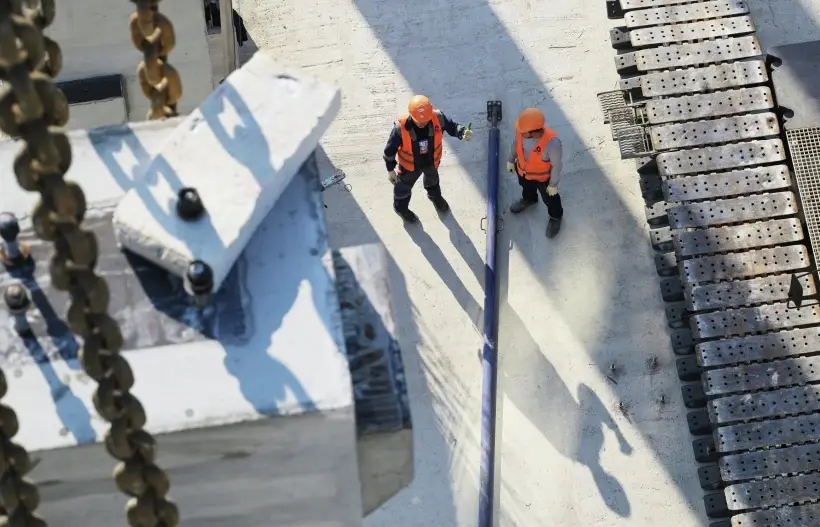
x: 403, y: 190
x: 531, y: 189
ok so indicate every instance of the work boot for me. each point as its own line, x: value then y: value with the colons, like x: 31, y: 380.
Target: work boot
x: 408, y: 215
x: 553, y: 227
x: 440, y: 203
x: 521, y: 205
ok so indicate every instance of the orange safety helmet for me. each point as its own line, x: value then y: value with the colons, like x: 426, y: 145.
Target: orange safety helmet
x: 530, y: 120
x: 420, y: 109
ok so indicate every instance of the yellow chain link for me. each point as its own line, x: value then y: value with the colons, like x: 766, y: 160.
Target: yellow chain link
x: 32, y: 108
x: 153, y: 34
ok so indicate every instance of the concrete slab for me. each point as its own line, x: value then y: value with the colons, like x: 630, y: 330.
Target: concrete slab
x: 572, y: 306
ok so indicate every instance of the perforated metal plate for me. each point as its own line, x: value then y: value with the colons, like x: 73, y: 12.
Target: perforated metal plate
x: 694, y: 54
x: 611, y: 100
x: 768, y: 463
x: 724, y: 184
x: 721, y: 27
x: 737, y: 237
x: 761, y: 434
x: 695, y: 80
x: 630, y: 83
x: 765, y: 405
x: 708, y: 105
x: 642, y: 4
x: 745, y: 265
x: 752, y: 377
x: 783, y: 344
x: 685, y: 13
x: 796, y: 516
x: 725, y: 130
x: 723, y: 211
x: 746, y: 320
x: 784, y: 490
x: 804, y: 145
x: 712, y: 158
x: 745, y: 292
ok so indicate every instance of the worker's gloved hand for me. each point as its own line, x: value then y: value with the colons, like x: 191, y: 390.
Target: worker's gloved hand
x: 510, y: 167
x: 552, y: 191
x: 392, y: 177
x: 467, y: 135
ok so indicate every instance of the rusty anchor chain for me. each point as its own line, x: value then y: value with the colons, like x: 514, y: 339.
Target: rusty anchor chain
x: 33, y: 109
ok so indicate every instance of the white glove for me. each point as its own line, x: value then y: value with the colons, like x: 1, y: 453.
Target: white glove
x: 393, y: 177
x: 468, y: 134
x: 552, y: 191
x: 510, y: 167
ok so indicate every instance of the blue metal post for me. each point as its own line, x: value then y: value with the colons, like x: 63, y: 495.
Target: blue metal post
x: 489, y: 355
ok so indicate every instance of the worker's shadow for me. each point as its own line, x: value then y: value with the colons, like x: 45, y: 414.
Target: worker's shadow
x: 527, y: 377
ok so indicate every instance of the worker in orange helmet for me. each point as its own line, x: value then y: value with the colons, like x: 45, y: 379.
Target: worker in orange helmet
x: 536, y: 157
x: 414, y: 149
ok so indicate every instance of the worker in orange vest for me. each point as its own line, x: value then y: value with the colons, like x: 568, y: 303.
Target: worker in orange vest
x: 413, y: 149
x: 536, y: 157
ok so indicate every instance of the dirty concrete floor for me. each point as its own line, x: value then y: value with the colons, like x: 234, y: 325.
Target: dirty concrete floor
x: 579, y: 444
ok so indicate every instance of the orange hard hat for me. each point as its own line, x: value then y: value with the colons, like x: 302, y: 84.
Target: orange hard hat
x: 421, y: 109
x: 530, y: 120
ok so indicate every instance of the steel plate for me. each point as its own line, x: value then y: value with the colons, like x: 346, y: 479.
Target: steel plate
x: 764, y: 405
x: 763, y: 434
x: 708, y: 105
x: 737, y: 237
x: 725, y: 184
x: 723, y: 211
x: 741, y: 293
x: 712, y: 158
x: 745, y: 265
x: 782, y: 344
x: 747, y: 320
x: 695, y: 54
x: 768, y: 463
x: 784, y: 490
x: 721, y: 27
x: 685, y: 13
x: 761, y: 376
x: 725, y: 130
x: 807, y: 515
x: 642, y: 4
x: 693, y: 80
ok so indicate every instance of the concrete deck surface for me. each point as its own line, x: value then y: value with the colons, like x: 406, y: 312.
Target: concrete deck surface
x: 571, y: 307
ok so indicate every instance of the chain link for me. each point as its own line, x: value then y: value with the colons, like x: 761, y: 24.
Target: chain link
x: 32, y: 108
x: 153, y: 34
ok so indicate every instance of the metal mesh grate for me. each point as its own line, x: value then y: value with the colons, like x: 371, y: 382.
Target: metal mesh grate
x: 632, y: 141
x: 804, y: 144
x: 611, y: 100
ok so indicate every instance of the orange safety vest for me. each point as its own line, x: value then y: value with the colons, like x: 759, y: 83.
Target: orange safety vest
x: 533, y: 167
x: 405, y: 153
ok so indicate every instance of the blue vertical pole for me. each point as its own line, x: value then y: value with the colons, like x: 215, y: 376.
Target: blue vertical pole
x: 489, y: 390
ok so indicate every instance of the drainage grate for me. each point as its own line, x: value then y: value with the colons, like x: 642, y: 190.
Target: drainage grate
x: 611, y: 100
x: 804, y: 145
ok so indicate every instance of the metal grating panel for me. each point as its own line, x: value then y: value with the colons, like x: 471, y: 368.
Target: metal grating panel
x: 773, y: 492
x: 725, y: 130
x: 632, y: 141
x: 740, y: 293
x: 797, y: 516
x: 685, y: 13
x: 804, y: 145
x: 708, y: 105
x: 724, y: 184
x: 765, y: 405
x: 694, y: 54
x: 761, y: 376
x: 746, y: 320
x: 768, y: 463
x: 737, y: 237
x: 746, y: 264
x: 721, y: 27
x: 723, y: 211
x: 713, y: 158
x: 611, y: 100
x: 621, y: 120
x: 695, y: 80
x: 762, y: 434
x: 778, y: 345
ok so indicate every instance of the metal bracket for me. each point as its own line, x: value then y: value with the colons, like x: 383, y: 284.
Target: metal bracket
x: 493, y: 111
x: 336, y: 179
x: 499, y: 224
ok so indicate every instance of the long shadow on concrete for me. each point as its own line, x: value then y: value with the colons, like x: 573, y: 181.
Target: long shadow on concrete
x: 597, y: 221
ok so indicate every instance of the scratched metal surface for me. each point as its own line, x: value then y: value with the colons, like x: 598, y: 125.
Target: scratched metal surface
x: 150, y: 304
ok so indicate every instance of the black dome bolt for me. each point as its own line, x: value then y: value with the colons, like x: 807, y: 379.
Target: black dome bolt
x: 189, y: 204
x: 12, y: 252
x: 18, y: 303
x: 199, y: 281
